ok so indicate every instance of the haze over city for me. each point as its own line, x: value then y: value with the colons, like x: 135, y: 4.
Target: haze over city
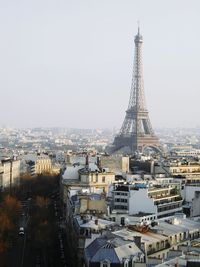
x: 99, y: 133
x: 69, y: 63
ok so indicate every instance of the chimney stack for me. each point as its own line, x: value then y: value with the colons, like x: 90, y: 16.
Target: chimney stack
x: 87, y: 161
x: 99, y: 162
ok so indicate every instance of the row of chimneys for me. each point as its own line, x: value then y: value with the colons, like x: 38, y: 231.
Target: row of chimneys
x: 87, y: 218
x: 87, y: 162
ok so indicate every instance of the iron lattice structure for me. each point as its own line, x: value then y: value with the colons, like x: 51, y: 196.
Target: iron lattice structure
x: 136, y: 132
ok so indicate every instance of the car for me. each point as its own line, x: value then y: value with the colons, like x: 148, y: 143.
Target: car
x: 21, y: 231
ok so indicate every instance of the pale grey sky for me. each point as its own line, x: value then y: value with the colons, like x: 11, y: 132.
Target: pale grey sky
x: 69, y: 63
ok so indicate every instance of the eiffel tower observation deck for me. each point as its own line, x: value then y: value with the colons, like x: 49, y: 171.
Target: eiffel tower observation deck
x: 136, y: 132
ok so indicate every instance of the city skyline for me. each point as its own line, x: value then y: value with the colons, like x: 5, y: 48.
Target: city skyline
x: 70, y: 64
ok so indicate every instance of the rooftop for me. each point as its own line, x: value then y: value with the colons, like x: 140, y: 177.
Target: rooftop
x: 93, y: 222
x: 147, y: 238
x: 111, y: 248
x: 179, y: 226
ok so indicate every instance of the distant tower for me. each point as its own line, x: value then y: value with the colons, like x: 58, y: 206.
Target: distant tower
x: 136, y: 132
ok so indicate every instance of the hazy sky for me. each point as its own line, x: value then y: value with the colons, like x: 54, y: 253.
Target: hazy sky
x: 69, y: 63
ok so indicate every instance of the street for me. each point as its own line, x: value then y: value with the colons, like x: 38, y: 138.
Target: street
x: 26, y: 252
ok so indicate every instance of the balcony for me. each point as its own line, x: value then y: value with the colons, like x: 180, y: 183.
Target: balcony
x: 168, y: 202
x: 154, y: 250
x: 169, y: 211
x: 165, y: 196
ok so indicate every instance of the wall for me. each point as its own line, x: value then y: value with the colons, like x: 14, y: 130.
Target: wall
x: 189, y: 192
x: 125, y: 164
x: 195, y: 211
x: 114, y: 163
x: 15, y: 171
x: 88, y: 204
x: 6, y: 174
x: 136, y: 205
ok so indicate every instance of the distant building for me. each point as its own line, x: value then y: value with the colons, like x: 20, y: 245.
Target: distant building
x: 34, y: 164
x: 9, y: 172
x: 43, y: 165
x: 189, y: 170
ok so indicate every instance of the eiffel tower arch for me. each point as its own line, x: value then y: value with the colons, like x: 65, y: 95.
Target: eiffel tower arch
x: 136, y: 132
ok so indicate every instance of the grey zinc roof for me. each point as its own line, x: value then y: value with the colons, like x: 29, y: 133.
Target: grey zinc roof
x: 106, y: 254
x: 127, y: 250
x: 94, y: 247
x: 113, y: 250
x: 183, y: 226
x: 98, y: 251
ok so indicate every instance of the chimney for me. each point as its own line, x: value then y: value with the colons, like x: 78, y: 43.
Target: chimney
x: 87, y: 161
x: 99, y: 162
x: 137, y: 240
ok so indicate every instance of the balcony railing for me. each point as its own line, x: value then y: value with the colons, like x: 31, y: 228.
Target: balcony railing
x: 154, y: 250
x: 164, y: 196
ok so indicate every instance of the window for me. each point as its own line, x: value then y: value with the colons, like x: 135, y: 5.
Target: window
x: 105, y: 263
x: 133, y: 261
x: 103, y: 179
x: 122, y: 221
x: 126, y: 263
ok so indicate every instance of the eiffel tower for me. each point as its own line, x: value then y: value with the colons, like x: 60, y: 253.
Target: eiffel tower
x: 136, y: 132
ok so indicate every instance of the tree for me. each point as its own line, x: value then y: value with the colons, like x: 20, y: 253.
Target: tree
x: 11, y: 207
x: 42, y: 201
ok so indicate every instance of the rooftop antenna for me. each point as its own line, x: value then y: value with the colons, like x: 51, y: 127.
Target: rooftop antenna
x: 138, y: 23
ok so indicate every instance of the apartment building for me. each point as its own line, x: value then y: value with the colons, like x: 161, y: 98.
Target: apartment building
x: 39, y: 164
x: 162, y: 200
x: 186, y: 170
x: 9, y: 172
x: 43, y: 164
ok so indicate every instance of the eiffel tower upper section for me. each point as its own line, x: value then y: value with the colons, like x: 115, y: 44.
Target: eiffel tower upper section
x: 136, y: 132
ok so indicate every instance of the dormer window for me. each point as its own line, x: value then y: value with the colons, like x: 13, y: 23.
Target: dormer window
x: 126, y: 263
x: 105, y: 263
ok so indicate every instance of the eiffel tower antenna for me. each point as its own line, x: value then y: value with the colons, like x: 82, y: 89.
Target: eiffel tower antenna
x: 136, y: 132
x: 138, y: 23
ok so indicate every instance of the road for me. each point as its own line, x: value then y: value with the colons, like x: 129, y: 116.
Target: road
x: 16, y: 256
x: 25, y: 254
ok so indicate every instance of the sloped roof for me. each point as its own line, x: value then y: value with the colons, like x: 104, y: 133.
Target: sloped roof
x: 92, y: 249
x: 113, y: 250
x: 106, y: 254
